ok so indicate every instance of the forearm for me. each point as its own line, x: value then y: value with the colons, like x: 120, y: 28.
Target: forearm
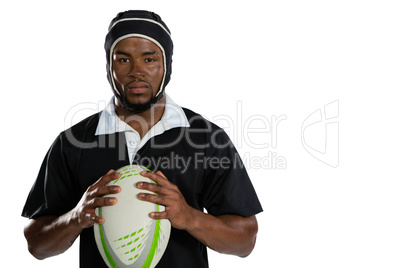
x: 48, y: 236
x: 229, y: 234
x: 51, y: 235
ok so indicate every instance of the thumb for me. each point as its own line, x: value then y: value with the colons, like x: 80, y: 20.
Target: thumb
x: 161, y: 174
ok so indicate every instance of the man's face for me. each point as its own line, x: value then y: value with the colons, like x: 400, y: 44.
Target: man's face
x: 137, y: 69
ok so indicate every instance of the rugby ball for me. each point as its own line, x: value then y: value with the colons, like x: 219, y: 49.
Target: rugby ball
x: 129, y: 237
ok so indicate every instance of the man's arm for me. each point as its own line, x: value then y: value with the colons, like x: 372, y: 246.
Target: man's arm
x: 228, y: 234
x: 51, y: 235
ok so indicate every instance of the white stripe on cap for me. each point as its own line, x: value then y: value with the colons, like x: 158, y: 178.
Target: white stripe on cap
x: 149, y: 20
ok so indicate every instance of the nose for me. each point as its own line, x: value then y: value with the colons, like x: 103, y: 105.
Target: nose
x: 135, y: 70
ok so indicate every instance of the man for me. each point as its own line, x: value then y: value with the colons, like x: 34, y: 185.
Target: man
x: 196, y: 166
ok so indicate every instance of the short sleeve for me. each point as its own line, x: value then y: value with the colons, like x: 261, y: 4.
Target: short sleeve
x: 52, y: 192
x: 227, y: 187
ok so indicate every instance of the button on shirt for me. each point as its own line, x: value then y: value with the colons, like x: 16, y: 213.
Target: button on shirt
x: 110, y: 123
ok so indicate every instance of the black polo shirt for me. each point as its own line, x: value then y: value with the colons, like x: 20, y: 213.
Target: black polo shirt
x: 200, y: 160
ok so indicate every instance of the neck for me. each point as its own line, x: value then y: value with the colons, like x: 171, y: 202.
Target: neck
x: 142, y: 122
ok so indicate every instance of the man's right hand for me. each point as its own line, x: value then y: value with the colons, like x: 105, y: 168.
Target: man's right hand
x: 93, y: 198
x: 50, y: 235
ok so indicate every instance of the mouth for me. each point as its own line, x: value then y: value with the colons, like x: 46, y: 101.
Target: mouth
x: 137, y: 87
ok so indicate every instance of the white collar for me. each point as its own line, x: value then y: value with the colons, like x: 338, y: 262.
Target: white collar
x: 173, y: 116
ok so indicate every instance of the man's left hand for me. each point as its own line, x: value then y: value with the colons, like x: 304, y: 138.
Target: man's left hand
x: 167, y: 194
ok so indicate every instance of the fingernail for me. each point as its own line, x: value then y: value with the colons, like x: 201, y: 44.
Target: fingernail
x: 140, y: 184
x: 141, y: 196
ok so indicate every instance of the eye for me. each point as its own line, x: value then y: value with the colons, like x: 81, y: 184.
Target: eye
x: 149, y: 60
x: 124, y: 60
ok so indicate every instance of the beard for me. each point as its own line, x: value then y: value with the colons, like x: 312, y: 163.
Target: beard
x: 137, y: 108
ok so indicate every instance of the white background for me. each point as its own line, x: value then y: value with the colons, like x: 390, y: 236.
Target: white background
x: 278, y: 58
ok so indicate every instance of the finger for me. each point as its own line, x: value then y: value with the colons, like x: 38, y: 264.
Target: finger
x: 104, y: 190
x: 108, y: 177
x: 101, y: 202
x: 153, y: 198
x: 161, y: 174
x: 155, y: 177
x: 87, y: 220
x: 158, y: 215
x: 153, y: 187
x: 110, y: 172
x: 92, y: 218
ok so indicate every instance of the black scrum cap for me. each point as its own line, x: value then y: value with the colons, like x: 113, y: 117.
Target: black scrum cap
x: 144, y: 24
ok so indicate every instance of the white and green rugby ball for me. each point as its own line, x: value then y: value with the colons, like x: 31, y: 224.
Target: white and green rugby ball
x: 129, y: 237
